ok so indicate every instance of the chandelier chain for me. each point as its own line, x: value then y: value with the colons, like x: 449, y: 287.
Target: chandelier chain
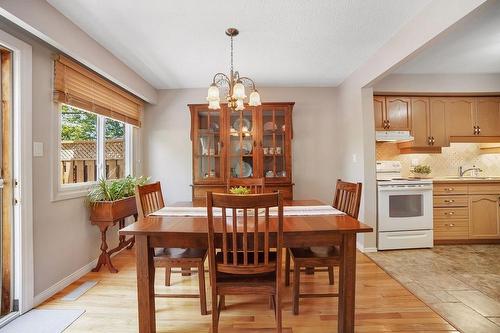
x: 231, y: 55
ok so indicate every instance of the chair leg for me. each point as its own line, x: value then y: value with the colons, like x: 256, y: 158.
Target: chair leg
x: 331, y: 276
x: 203, y: 293
x: 168, y: 272
x: 296, y: 288
x: 215, y: 313
x: 287, y: 267
x: 279, y: 319
x: 271, y: 302
x: 222, y: 301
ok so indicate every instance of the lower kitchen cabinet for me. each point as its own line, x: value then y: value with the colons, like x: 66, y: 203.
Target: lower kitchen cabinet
x: 484, y: 216
x: 466, y: 212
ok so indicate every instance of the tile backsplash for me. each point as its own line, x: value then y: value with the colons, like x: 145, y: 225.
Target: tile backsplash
x: 446, y: 163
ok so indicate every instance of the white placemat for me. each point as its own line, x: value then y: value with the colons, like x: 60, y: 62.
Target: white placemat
x: 287, y: 211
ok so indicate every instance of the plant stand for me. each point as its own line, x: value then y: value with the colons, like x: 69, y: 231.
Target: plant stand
x: 105, y: 215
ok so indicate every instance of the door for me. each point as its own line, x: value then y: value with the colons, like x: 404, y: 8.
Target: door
x: 379, y: 109
x: 460, y: 116
x: 242, y: 137
x: 398, y: 113
x: 488, y: 116
x: 208, y: 145
x: 6, y: 181
x: 484, y: 219
x: 437, y: 122
x: 404, y: 207
x: 276, y: 141
x: 420, y: 121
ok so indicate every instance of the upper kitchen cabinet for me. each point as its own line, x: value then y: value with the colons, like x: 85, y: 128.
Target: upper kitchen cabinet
x: 437, y: 122
x: 420, y: 121
x: 392, y: 113
x: 487, y: 120
x: 379, y: 108
x: 460, y: 116
x: 398, y: 113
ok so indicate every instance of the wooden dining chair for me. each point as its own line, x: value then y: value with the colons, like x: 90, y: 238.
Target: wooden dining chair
x: 245, y: 263
x: 149, y: 199
x: 347, y: 199
x: 256, y: 185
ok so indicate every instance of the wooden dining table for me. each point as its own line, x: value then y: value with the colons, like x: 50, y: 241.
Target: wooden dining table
x: 298, y: 231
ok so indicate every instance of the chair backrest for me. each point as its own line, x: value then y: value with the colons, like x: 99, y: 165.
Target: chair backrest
x: 348, y: 197
x: 148, y: 198
x: 256, y: 185
x: 245, y: 231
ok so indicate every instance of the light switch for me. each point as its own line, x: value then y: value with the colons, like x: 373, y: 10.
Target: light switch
x: 37, y: 149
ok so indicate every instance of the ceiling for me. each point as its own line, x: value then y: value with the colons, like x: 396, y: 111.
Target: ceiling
x: 472, y: 46
x: 181, y: 44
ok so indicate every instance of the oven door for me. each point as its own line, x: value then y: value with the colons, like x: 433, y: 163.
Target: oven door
x: 404, y: 207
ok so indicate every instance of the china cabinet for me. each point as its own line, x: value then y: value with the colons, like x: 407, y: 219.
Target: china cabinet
x: 253, y: 143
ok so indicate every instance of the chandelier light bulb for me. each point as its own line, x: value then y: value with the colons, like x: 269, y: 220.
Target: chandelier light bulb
x: 239, y: 91
x: 254, y: 99
x: 213, y: 93
x: 239, y: 105
x: 213, y: 105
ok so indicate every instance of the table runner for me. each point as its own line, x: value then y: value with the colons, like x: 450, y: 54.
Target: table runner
x: 287, y: 211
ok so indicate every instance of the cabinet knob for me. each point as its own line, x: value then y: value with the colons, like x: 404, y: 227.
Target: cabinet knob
x: 450, y: 224
x: 449, y: 201
x: 448, y: 188
x: 478, y: 130
x: 449, y: 213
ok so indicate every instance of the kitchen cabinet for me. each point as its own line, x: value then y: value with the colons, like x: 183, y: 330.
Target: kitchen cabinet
x: 437, y: 123
x: 484, y: 216
x: 253, y: 143
x: 466, y: 212
x: 420, y: 121
x: 460, y: 113
x: 392, y: 113
x: 487, y: 117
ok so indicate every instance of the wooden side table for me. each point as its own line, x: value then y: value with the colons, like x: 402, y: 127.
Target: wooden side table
x: 105, y: 215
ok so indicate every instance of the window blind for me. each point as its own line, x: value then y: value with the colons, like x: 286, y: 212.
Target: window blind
x: 78, y: 86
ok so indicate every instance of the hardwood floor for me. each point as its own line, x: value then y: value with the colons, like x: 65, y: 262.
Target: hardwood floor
x: 382, y: 305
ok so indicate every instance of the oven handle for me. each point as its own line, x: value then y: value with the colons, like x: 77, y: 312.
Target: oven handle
x: 405, y: 188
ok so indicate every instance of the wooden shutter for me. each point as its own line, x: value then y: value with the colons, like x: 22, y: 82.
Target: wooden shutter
x: 78, y: 86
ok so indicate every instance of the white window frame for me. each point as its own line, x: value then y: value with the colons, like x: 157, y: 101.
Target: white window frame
x: 76, y: 190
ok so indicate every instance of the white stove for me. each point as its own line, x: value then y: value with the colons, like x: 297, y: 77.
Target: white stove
x: 405, y: 218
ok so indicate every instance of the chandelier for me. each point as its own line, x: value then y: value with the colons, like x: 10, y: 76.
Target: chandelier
x: 234, y: 84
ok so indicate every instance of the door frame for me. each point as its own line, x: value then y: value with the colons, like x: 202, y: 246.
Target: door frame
x: 23, y: 279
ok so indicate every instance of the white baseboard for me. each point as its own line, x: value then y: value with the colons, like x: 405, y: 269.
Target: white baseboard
x: 364, y: 249
x: 54, y: 289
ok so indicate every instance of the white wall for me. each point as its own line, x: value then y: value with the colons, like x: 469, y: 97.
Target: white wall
x: 167, y: 147
x: 354, y: 105
x: 44, y: 21
x: 439, y: 83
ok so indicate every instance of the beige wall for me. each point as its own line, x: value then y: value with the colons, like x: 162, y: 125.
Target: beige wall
x: 167, y: 147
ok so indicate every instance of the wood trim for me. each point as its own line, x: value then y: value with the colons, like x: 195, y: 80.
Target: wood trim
x: 465, y: 241
x: 6, y: 95
x: 475, y: 139
x: 80, y: 87
x: 437, y: 94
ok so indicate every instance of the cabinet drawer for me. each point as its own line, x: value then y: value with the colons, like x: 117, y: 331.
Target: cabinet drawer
x: 451, y: 201
x: 450, y: 188
x: 286, y: 191
x: 451, y: 213
x: 484, y: 188
x: 456, y: 229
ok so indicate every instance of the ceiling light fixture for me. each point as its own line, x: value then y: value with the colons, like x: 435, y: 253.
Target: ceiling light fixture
x: 234, y: 84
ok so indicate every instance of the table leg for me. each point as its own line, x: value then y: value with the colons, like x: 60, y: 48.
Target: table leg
x: 145, y: 285
x: 104, y: 257
x: 347, y: 284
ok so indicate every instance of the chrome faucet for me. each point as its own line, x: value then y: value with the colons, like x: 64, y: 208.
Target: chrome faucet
x: 474, y: 170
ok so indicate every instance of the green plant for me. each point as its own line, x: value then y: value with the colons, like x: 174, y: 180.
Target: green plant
x: 422, y: 169
x: 241, y: 190
x: 112, y: 190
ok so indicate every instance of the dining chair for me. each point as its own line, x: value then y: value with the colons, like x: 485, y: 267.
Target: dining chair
x: 256, y: 185
x: 241, y: 256
x: 149, y: 199
x: 347, y: 199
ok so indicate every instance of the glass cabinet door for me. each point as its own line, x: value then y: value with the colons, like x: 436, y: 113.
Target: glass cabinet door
x: 242, y: 144
x: 274, y: 143
x: 208, y: 145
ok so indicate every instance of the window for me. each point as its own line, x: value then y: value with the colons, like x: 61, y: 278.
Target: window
x: 92, y: 147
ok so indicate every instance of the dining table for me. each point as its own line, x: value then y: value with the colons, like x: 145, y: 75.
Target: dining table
x: 157, y: 231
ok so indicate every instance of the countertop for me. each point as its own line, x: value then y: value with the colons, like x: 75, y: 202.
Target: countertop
x: 466, y: 180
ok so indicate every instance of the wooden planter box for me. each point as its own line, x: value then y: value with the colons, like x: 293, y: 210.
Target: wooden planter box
x: 106, y: 211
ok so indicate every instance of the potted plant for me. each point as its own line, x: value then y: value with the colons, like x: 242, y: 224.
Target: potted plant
x: 111, y: 200
x: 240, y: 190
x: 421, y: 171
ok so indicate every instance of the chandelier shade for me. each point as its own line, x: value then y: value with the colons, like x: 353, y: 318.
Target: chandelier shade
x: 235, y: 86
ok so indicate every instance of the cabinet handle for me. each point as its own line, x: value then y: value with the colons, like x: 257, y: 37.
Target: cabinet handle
x: 478, y: 130
x: 388, y: 124
x: 449, y: 224
x: 433, y: 141
x: 449, y: 201
x: 449, y: 213
x: 448, y: 188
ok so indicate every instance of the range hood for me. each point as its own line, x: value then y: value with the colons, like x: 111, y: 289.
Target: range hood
x: 393, y: 136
